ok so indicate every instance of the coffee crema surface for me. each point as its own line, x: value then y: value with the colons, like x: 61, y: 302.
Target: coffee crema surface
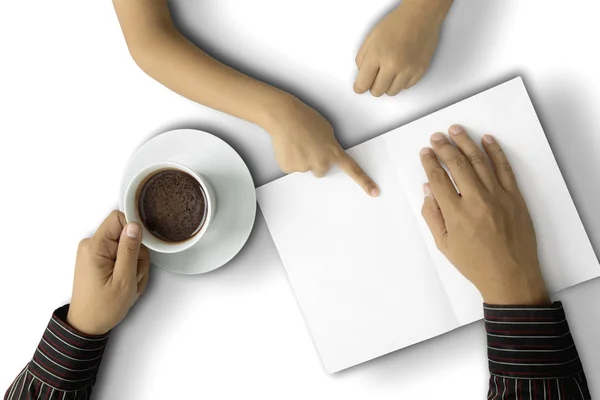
x: 172, y: 205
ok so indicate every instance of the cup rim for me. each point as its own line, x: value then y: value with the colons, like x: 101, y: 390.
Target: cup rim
x: 131, y: 215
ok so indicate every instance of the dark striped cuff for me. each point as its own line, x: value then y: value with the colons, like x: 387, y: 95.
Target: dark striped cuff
x: 530, y: 342
x: 65, y: 358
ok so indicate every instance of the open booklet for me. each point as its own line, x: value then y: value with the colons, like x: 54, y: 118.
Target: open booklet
x: 366, y: 272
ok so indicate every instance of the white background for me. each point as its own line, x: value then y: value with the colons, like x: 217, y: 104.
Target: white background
x: 73, y: 107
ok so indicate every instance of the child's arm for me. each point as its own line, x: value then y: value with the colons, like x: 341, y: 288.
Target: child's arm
x: 302, y: 138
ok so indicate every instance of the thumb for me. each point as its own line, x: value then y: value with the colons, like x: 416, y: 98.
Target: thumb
x: 128, y: 253
x: 433, y: 216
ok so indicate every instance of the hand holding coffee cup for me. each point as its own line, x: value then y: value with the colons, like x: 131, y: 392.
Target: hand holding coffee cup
x: 111, y: 273
x: 174, y: 205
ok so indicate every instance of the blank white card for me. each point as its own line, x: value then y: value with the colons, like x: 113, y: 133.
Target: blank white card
x: 366, y: 272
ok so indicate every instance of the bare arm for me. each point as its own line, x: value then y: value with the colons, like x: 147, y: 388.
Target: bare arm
x: 303, y: 140
x: 167, y: 56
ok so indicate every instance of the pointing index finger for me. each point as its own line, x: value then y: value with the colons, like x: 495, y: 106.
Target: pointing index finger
x: 352, y: 169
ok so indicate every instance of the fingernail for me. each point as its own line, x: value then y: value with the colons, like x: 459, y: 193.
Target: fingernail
x: 427, y: 190
x: 437, y: 137
x: 456, y: 130
x: 133, y: 230
x: 488, y: 139
x: 425, y: 151
x: 374, y: 191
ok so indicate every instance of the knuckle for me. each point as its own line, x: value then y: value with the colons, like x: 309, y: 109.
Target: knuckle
x: 127, y: 250
x: 437, y: 174
x: 115, y: 214
x: 391, y: 64
x: 505, y: 166
x: 337, y: 152
x: 476, y: 159
x: 457, y: 161
x: 322, y: 166
x: 357, y: 171
x: 429, y: 158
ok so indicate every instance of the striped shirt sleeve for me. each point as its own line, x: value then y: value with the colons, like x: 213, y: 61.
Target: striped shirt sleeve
x: 532, y: 355
x: 64, y: 365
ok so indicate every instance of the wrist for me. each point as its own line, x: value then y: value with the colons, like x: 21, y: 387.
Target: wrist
x: 83, y: 325
x: 275, y: 109
x: 428, y: 11
x: 526, y: 299
x: 524, y: 293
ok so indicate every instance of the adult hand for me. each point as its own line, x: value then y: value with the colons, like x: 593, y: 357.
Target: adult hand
x: 397, y: 52
x: 304, y: 141
x: 486, y: 230
x: 111, y: 272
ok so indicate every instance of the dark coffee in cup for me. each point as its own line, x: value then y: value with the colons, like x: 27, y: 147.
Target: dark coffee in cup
x: 172, y: 205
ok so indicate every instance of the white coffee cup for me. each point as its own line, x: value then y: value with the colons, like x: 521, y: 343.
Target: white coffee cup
x: 130, y: 207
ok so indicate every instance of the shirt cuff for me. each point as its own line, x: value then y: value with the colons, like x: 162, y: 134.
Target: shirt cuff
x: 530, y: 342
x: 67, y: 359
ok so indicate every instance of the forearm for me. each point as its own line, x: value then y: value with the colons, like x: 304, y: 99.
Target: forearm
x: 64, y: 366
x: 532, y: 354
x: 167, y: 56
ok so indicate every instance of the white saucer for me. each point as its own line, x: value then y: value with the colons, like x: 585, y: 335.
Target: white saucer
x: 234, y: 189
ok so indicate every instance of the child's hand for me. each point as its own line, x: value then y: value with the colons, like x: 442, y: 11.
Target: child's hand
x: 304, y: 141
x: 398, y: 51
x: 111, y: 272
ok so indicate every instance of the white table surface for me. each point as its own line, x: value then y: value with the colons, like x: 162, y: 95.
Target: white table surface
x: 74, y: 106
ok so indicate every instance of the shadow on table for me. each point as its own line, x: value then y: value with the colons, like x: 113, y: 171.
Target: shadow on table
x: 143, y: 332
x: 565, y: 109
x: 421, y: 362
x: 466, y: 346
x: 169, y: 300
x: 467, y: 43
x: 567, y: 112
